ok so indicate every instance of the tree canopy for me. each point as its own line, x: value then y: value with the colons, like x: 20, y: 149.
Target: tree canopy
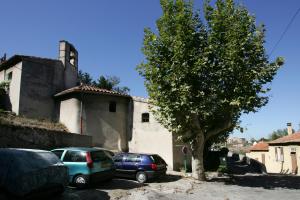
x: 202, y: 75
x: 105, y: 82
x: 279, y: 133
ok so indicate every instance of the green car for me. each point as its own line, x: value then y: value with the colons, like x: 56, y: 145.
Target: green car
x: 86, y: 165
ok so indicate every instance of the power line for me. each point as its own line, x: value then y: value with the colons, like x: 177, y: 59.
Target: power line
x: 285, y: 31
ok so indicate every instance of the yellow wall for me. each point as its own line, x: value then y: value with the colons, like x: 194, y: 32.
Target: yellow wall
x: 274, y: 166
x: 285, y: 166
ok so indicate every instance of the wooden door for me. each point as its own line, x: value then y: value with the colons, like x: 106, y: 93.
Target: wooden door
x: 263, y: 158
x: 294, y: 162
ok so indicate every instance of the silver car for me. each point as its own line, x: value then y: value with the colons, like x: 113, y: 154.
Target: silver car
x: 27, y: 172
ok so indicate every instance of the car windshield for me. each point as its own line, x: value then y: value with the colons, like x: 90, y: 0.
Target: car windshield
x: 157, y: 159
x: 99, y: 156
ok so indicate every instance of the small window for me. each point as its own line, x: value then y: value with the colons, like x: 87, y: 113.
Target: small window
x: 145, y: 117
x: 75, y: 156
x: 58, y: 153
x: 112, y: 106
x: 9, y: 76
x: 279, y: 154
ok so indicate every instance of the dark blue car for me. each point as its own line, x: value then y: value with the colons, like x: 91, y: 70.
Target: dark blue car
x: 139, y: 166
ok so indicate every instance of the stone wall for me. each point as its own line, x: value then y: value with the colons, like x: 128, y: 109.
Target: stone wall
x: 21, y: 137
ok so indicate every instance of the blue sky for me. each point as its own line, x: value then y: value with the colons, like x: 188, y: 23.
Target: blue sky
x: 108, y: 35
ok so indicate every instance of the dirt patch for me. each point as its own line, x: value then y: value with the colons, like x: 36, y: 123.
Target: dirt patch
x: 8, y: 118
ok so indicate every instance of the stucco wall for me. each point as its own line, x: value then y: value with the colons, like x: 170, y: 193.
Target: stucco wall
x: 20, y: 137
x: 109, y: 129
x: 257, y: 155
x: 14, y: 87
x: 70, y: 76
x: 274, y: 166
x: 2, y: 75
x: 150, y: 137
x: 285, y: 166
x: 70, y: 114
x: 40, y: 81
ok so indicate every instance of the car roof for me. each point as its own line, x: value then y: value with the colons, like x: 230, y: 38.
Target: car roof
x: 22, y: 149
x: 78, y: 149
x: 142, y: 154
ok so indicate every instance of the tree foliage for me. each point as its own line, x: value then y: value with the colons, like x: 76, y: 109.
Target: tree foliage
x: 202, y: 76
x: 85, y: 78
x: 278, y: 134
x: 105, y: 82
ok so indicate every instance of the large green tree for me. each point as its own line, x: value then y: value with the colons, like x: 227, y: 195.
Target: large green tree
x: 201, y: 76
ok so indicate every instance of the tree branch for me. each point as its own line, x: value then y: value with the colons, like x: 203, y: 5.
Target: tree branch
x: 225, y: 126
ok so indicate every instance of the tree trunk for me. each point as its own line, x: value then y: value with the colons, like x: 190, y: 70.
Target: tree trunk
x: 197, y: 158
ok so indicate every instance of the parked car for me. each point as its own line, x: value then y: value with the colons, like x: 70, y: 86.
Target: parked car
x: 28, y: 172
x: 142, y: 167
x: 110, y: 153
x: 86, y: 165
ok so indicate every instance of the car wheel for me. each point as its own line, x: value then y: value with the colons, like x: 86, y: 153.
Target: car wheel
x: 80, y: 181
x: 141, y: 177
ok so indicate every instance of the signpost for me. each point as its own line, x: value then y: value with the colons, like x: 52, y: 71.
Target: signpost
x: 184, y: 150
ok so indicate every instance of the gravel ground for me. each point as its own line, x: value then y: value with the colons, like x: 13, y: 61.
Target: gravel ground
x: 237, y: 187
x: 242, y: 187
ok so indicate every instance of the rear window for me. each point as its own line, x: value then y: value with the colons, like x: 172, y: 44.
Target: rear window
x: 58, y: 153
x: 132, y: 158
x: 99, y: 156
x: 157, y: 159
x: 75, y: 156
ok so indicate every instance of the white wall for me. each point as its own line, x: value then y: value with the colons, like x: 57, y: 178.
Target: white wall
x: 70, y: 114
x: 14, y: 87
x: 150, y: 137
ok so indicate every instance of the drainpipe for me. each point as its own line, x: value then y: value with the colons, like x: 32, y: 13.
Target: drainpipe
x: 81, y: 109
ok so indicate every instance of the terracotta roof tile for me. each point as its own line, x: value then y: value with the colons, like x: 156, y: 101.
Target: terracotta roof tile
x: 295, y: 137
x: 261, y: 146
x: 90, y: 89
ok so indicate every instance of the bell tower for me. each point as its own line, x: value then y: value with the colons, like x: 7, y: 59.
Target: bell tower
x: 68, y: 55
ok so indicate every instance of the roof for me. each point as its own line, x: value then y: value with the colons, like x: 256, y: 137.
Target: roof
x: 293, y: 138
x: 261, y: 146
x: 18, y: 58
x: 90, y: 90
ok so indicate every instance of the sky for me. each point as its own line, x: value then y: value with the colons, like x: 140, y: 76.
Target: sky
x: 108, y: 35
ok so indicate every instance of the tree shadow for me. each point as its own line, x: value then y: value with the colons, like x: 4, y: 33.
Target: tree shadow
x: 166, y: 179
x: 270, y: 181
x: 118, y: 183
x: 74, y: 194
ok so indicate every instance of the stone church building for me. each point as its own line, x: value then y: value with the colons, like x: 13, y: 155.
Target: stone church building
x: 46, y: 88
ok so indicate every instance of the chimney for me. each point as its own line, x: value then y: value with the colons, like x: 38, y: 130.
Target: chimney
x: 289, y: 128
